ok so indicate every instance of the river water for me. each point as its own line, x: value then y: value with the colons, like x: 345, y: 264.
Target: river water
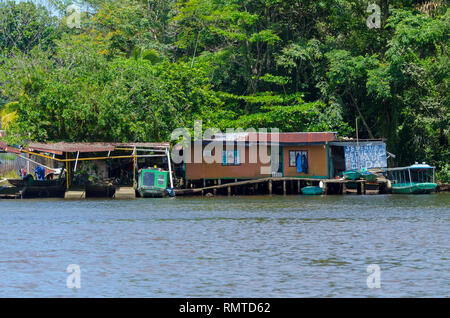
x: 294, y: 246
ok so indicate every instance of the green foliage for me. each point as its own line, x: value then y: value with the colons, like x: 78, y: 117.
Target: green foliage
x: 97, y: 99
x: 24, y: 25
x: 137, y: 69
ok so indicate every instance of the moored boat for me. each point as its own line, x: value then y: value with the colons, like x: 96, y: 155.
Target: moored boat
x: 369, y: 176
x: 152, y: 183
x: 352, y: 175
x: 415, y: 179
x: 312, y: 190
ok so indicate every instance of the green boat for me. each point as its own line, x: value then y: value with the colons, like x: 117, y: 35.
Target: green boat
x: 352, y: 175
x: 312, y: 190
x: 415, y: 179
x: 369, y: 176
x: 152, y: 183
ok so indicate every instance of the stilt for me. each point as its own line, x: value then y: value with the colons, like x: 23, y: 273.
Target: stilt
x: 298, y: 186
x: 284, y: 187
x: 325, y: 187
x: 229, y: 191
x: 363, y: 187
x: 270, y: 187
x: 344, y: 188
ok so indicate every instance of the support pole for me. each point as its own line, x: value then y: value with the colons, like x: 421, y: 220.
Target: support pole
x: 270, y: 187
x: 28, y: 165
x: 170, y: 168
x: 134, y: 166
x: 67, y: 173
x: 284, y: 187
x: 76, y: 162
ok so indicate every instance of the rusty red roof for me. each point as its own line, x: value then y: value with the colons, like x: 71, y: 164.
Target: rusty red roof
x: 288, y: 137
x: 61, y: 147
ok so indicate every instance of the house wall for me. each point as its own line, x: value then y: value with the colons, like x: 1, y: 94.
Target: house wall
x: 317, y: 161
x: 246, y: 170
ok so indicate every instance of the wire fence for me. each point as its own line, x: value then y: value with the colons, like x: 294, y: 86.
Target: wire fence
x: 10, y: 164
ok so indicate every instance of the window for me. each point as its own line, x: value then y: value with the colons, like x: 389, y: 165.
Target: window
x: 230, y: 158
x: 161, y: 180
x: 148, y: 179
x: 293, y: 156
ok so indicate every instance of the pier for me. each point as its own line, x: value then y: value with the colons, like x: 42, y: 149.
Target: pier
x: 282, y: 185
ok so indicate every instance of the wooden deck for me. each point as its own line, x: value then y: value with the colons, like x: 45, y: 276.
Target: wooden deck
x: 286, y: 185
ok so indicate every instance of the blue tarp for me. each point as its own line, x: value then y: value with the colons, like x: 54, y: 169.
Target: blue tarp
x: 40, y: 172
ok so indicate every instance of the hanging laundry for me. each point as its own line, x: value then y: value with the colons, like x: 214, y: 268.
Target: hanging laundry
x: 305, y: 164
x: 299, y: 163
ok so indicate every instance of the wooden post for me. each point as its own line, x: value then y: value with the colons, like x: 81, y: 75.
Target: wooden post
x: 229, y: 191
x: 298, y: 186
x: 344, y: 188
x: 134, y: 167
x: 284, y: 187
x: 325, y: 188
x: 67, y: 173
x: 215, y: 192
x: 168, y: 162
x: 363, y: 187
x: 270, y: 187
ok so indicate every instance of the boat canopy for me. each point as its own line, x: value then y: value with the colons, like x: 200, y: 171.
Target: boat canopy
x: 421, y: 166
x: 417, y: 173
x: 414, y: 166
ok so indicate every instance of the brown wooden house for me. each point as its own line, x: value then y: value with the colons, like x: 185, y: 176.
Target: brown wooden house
x: 243, y: 156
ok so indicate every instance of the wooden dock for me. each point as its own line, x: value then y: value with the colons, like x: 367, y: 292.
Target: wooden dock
x: 125, y: 193
x: 283, y: 185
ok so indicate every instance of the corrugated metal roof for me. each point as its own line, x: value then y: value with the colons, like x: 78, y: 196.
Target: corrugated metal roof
x: 289, y: 137
x: 61, y: 147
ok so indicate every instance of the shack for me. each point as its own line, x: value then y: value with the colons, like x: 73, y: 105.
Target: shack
x: 89, y: 169
x: 306, y: 156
